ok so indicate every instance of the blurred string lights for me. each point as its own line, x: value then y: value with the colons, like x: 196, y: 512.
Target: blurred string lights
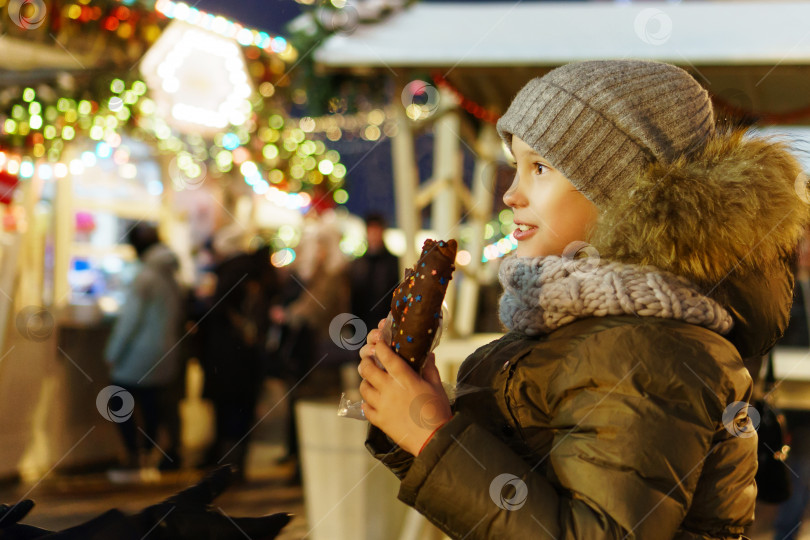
x: 38, y: 125
x: 275, y: 155
x: 228, y: 29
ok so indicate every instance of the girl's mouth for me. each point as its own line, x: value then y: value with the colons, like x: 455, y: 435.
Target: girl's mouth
x: 524, y: 231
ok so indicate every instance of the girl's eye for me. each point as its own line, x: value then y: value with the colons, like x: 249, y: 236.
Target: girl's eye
x: 539, y: 168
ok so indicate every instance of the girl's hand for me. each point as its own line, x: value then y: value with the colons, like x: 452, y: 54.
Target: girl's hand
x: 407, y: 407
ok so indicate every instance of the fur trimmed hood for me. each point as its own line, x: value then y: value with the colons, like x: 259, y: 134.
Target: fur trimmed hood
x: 729, y: 218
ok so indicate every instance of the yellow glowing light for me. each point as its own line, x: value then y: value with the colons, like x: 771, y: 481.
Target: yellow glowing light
x: 340, y: 171
x: 341, y: 196
x: 308, y: 147
x: 376, y: 117
x: 372, y: 133
x: 307, y: 124
x: 139, y: 87
x: 326, y: 167
x: 276, y: 121
x: 10, y: 126
x: 276, y: 176
x: 267, y: 89
x: 270, y: 151
x: 68, y: 133
x: 463, y: 258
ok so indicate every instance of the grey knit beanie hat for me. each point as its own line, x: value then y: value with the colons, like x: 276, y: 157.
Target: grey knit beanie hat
x: 602, y: 122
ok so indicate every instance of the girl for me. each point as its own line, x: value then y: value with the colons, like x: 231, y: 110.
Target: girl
x: 616, y: 405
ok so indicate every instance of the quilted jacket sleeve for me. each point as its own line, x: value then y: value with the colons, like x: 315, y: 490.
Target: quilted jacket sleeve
x: 628, y: 448
x: 388, y: 452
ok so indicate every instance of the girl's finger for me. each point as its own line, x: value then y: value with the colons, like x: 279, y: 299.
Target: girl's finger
x: 381, y: 324
x: 393, y: 363
x: 369, y: 412
x: 367, y: 351
x: 370, y: 394
x: 373, y: 336
x: 430, y: 372
x: 369, y: 371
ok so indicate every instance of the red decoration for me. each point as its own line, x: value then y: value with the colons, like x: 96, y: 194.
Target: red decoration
x: 468, y: 105
x: 8, y: 183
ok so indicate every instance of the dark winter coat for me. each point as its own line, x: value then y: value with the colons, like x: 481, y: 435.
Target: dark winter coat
x: 613, y: 427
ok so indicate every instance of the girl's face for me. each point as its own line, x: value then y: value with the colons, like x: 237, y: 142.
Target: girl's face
x: 549, y: 211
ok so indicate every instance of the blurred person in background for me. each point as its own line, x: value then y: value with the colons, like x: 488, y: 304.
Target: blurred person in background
x: 145, y: 356
x: 316, y: 291
x: 232, y: 336
x: 374, y: 275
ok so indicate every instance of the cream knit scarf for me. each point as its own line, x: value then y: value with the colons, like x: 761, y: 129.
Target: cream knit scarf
x: 542, y: 294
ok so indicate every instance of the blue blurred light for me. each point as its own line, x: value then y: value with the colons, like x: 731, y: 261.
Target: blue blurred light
x: 230, y: 141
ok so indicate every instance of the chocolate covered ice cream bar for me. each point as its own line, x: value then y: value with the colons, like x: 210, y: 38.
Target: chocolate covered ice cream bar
x: 416, y: 306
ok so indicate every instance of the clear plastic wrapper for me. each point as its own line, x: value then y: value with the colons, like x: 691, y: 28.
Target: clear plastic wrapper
x: 353, y: 408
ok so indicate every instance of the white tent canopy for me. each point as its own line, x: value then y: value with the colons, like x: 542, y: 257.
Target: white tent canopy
x: 535, y: 34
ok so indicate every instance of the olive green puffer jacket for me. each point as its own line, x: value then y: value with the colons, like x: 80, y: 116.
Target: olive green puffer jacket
x: 613, y: 427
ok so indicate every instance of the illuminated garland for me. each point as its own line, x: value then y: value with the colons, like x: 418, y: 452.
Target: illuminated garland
x: 226, y: 28
x: 472, y: 107
x: 273, y: 154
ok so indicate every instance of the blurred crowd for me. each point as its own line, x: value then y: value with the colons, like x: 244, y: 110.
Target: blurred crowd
x: 246, y: 320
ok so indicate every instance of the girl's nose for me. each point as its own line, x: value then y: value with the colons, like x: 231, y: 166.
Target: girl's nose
x: 514, y: 197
